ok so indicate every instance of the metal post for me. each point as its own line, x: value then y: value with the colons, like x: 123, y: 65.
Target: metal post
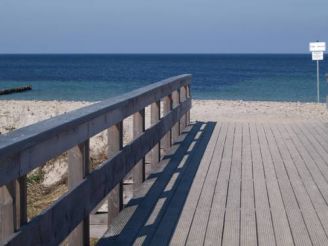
x: 318, y: 83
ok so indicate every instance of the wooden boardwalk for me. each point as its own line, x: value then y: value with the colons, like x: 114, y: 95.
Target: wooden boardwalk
x: 233, y: 184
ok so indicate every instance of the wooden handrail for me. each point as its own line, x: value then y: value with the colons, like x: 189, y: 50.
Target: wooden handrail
x: 25, y: 149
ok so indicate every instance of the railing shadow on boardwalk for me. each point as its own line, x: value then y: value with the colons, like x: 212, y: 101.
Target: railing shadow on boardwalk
x: 157, y: 206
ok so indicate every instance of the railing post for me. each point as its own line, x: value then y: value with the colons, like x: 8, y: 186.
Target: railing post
x: 78, y: 168
x: 166, y: 140
x: 13, y: 207
x: 176, y: 127
x: 21, y: 201
x: 155, y: 115
x: 115, y: 144
x: 7, y: 214
x: 188, y: 95
x: 138, y: 129
x: 183, y: 96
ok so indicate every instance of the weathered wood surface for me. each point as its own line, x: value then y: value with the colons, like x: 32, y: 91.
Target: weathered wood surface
x: 155, y: 115
x: 78, y: 169
x: 115, y: 144
x: 27, y: 148
x: 237, y: 184
x: 166, y: 140
x: 54, y: 224
x: 138, y: 172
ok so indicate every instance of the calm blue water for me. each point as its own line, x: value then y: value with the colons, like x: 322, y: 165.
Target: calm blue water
x: 96, y: 77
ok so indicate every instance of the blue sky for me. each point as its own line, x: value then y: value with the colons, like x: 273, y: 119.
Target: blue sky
x: 167, y: 26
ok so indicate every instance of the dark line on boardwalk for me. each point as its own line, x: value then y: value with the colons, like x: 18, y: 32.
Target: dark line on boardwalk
x: 266, y: 183
x: 193, y: 216
x: 292, y: 187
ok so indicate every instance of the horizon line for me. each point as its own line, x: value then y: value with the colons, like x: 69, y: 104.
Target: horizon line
x: 149, y: 53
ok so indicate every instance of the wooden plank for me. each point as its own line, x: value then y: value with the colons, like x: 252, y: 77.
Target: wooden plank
x: 7, y: 215
x: 321, y: 129
x: 21, y: 201
x: 183, y: 97
x: 13, y: 207
x: 155, y: 117
x: 115, y: 197
x: 319, y: 132
x: 183, y: 226
x: 310, y: 216
x: 231, y: 232
x: 54, y: 224
x: 176, y: 128
x: 138, y: 129
x: 316, y: 150
x: 166, y: 140
x: 317, y: 199
x: 315, y: 166
x: 216, y: 220
x: 170, y: 218
x: 248, y: 234
x: 196, y: 212
x: 262, y: 203
x: 38, y: 143
x: 188, y: 93
x: 140, y: 211
x: 280, y: 221
x: 78, y: 168
x: 295, y: 217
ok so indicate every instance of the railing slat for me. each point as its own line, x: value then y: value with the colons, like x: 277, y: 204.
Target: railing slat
x: 7, y: 217
x: 166, y: 141
x: 176, y: 127
x: 78, y: 168
x: 115, y: 144
x: 138, y: 129
x: 183, y: 97
x: 155, y: 115
x: 188, y: 95
x: 21, y: 201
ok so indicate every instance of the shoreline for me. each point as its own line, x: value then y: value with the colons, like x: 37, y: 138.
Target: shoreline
x: 15, y: 114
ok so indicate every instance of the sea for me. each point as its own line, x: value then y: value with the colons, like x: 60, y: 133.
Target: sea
x: 265, y: 77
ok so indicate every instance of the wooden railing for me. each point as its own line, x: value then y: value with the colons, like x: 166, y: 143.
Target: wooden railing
x: 25, y: 149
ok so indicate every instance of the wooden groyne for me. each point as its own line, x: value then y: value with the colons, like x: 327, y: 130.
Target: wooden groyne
x: 15, y: 90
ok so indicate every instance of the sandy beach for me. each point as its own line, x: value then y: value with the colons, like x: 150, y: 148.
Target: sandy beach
x: 17, y: 114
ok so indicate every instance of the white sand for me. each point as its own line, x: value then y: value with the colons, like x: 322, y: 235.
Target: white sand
x: 17, y: 114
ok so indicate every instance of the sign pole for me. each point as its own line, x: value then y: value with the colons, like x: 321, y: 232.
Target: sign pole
x: 318, y: 82
x: 317, y: 49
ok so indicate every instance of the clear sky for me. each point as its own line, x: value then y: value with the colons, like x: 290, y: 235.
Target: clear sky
x: 166, y: 26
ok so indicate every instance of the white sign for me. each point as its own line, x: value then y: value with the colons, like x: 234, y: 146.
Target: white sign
x: 317, y: 56
x: 317, y: 46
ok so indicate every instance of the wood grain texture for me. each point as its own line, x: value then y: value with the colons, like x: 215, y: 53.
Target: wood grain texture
x: 166, y: 140
x: 78, y: 169
x: 7, y: 215
x: 256, y: 184
x: 175, y: 132
x: 155, y: 114
x: 138, y: 172
x: 115, y: 197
